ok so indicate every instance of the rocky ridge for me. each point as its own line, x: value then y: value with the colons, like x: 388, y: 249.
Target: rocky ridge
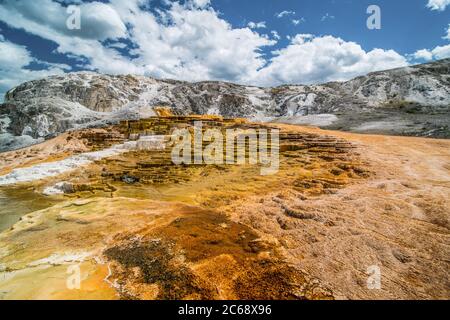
x: 408, y: 101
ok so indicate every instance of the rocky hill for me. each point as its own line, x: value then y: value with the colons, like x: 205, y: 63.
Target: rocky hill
x: 407, y: 101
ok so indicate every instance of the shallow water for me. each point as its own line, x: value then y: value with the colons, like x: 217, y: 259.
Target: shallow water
x: 17, y: 202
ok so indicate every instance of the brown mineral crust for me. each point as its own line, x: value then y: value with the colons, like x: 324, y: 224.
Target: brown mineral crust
x: 203, y: 255
x: 395, y: 217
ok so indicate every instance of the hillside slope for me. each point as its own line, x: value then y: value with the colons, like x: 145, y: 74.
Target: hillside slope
x: 406, y: 101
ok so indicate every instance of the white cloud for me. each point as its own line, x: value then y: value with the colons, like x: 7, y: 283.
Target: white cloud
x: 275, y: 35
x: 284, y: 13
x: 201, y: 3
x: 439, y: 52
x: 13, y: 60
x: 296, y: 22
x: 198, y: 45
x: 13, y: 56
x: 118, y: 45
x: 327, y: 16
x: 438, y: 4
x: 191, y: 42
x: 99, y: 21
x: 448, y: 33
x: 104, y: 24
x: 310, y: 59
x: 257, y: 25
x: 187, y: 41
x: 423, y: 54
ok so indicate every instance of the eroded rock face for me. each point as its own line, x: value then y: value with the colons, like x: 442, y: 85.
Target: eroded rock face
x: 416, y: 97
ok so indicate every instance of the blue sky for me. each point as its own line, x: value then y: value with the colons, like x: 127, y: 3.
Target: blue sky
x: 407, y: 25
x: 260, y: 42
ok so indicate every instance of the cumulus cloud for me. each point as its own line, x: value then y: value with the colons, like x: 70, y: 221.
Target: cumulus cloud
x: 195, y: 45
x: 186, y: 41
x: 310, y: 59
x: 439, y: 52
x: 423, y: 54
x: 47, y: 19
x: 438, y: 4
x: 99, y: 21
x: 13, y: 62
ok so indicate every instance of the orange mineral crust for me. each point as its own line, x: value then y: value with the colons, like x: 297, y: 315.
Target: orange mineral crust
x: 134, y: 225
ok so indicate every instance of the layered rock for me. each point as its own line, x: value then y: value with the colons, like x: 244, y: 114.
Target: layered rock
x: 416, y: 97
